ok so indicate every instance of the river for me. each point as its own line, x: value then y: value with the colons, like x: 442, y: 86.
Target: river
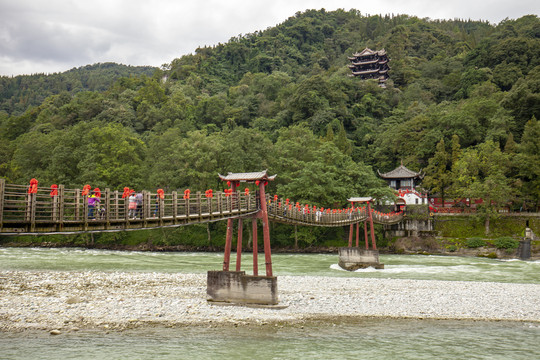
x: 362, y: 338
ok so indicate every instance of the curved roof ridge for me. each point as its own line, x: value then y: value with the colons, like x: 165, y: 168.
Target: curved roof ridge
x: 400, y: 172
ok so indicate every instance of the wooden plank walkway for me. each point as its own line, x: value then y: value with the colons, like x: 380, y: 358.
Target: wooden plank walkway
x: 66, y: 211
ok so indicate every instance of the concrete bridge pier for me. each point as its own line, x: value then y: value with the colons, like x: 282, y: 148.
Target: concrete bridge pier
x: 239, y: 288
x: 354, y: 258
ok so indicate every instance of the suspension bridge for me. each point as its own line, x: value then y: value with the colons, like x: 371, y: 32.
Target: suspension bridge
x: 57, y: 210
x: 32, y: 209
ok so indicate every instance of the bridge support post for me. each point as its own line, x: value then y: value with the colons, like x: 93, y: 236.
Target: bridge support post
x: 373, y: 244
x: 228, y: 241
x: 357, y: 233
x: 351, y: 230
x: 255, y: 248
x: 266, y: 231
x: 365, y: 234
x: 239, y: 245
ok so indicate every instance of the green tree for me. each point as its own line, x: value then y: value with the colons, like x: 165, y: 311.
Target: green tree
x: 528, y: 164
x: 480, y: 173
x: 438, y: 176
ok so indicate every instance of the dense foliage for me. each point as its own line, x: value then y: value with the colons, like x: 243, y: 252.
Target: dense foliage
x: 21, y: 92
x: 461, y: 103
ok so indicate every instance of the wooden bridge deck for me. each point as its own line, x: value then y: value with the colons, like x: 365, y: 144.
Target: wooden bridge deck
x: 67, y: 212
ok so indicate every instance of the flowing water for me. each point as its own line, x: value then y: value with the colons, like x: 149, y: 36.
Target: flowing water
x: 363, y: 338
x: 419, y: 267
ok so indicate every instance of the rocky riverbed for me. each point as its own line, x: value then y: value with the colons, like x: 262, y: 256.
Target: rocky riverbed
x: 69, y: 301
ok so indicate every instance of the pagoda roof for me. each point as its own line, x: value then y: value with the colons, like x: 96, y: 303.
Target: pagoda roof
x: 252, y: 176
x: 360, y: 199
x: 369, y: 52
x: 401, y: 172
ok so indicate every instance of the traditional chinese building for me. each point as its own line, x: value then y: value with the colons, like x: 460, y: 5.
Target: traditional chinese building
x: 369, y: 64
x: 405, y: 182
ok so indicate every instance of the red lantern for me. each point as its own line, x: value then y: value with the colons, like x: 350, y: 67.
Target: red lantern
x: 246, y: 191
x: 33, y: 186
x: 97, y: 192
x: 126, y: 193
x: 186, y: 193
x: 257, y: 182
x: 161, y: 193
x: 54, y: 190
x: 85, y: 190
x: 275, y: 197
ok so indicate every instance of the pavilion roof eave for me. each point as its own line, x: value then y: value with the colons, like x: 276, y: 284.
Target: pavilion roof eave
x: 400, y: 173
x: 360, y: 199
x: 247, y: 177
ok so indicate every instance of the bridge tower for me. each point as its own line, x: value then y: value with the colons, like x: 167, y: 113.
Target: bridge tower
x: 354, y: 258
x: 235, y: 286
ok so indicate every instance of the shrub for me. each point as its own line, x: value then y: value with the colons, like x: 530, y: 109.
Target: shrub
x: 506, y: 242
x: 475, y: 242
x: 452, y: 248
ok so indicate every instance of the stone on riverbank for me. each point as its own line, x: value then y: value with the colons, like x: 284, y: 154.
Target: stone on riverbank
x: 123, y: 300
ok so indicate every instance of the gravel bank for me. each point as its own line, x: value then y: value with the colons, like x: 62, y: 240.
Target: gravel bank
x: 68, y: 301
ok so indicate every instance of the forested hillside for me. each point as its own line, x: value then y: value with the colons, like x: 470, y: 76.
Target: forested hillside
x: 461, y: 104
x: 18, y: 93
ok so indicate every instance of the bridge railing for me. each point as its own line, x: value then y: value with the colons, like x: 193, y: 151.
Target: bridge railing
x: 288, y: 212
x: 67, y: 210
x: 282, y: 211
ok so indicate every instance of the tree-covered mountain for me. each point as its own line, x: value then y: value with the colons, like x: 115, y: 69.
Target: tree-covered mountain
x: 466, y: 92
x: 18, y: 93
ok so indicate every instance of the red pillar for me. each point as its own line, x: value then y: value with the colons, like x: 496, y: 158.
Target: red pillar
x: 255, y: 249
x: 239, y: 245
x: 228, y: 238
x: 374, y: 246
x: 351, y: 230
x: 266, y: 230
x: 365, y: 234
x: 357, y: 233
x: 228, y: 241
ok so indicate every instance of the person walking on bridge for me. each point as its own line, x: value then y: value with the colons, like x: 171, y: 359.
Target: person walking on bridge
x: 93, y: 201
x: 132, y: 205
x: 139, y: 200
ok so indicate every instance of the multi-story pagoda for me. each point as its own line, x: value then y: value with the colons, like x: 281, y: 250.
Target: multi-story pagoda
x: 369, y: 64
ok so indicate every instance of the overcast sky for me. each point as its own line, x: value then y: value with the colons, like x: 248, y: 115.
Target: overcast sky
x: 56, y: 35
